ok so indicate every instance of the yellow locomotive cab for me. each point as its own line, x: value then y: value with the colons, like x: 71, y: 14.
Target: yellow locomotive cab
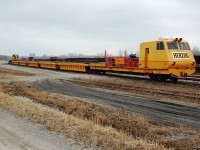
x: 181, y: 59
x: 167, y: 58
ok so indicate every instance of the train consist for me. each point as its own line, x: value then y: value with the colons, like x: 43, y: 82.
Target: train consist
x: 162, y: 59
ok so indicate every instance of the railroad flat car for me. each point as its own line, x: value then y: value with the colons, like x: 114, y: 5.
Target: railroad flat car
x: 161, y: 59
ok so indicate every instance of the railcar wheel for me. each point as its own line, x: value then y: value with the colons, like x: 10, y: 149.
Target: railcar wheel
x: 151, y: 76
x: 174, y: 79
x: 163, y: 78
x: 154, y: 77
x: 158, y: 77
x: 57, y: 67
x: 103, y: 72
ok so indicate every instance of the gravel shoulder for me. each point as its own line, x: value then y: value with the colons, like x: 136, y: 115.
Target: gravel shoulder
x: 20, y: 134
x: 150, y: 107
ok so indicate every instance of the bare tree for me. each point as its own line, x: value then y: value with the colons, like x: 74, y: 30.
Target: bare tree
x: 120, y: 53
x: 196, y: 51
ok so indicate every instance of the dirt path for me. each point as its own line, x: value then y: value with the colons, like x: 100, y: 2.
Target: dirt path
x: 156, y: 109
x: 18, y: 134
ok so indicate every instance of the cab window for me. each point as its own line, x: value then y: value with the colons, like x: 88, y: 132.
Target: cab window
x: 160, y: 46
x: 184, y: 46
x: 172, y: 45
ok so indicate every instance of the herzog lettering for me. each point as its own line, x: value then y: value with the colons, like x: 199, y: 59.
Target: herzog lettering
x: 180, y: 55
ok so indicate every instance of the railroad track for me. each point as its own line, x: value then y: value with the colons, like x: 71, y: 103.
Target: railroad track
x: 150, y: 107
x: 193, y: 79
x: 190, y: 95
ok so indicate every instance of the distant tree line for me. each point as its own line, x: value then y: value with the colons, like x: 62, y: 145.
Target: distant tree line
x: 196, y: 51
x: 4, y: 57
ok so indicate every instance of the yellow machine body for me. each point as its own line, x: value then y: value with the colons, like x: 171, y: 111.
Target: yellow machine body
x: 178, y: 60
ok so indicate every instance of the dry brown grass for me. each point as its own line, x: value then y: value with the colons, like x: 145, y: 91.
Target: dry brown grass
x: 170, y: 136
x: 83, y: 131
x: 9, y: 74
x: 136, y: 125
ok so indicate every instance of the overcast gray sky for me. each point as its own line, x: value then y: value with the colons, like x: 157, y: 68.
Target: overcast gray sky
x: 56, y: 27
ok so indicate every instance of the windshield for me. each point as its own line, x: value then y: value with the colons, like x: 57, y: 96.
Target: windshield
x: 184, y: 46
x: 181, y: 46
x: 172, y: 45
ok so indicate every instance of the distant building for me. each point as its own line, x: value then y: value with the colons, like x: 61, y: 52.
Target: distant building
x: 32, y: 55
x: 4, y: 57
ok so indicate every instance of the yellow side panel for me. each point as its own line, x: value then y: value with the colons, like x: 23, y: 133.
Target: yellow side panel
x: 22, y: 63
x: 15, y: 62
x: 48, y: 64
x: 119, y: 61
x: 152, y: 58
x: 102, y: 64
x: 73, y: 66
x: 131, y: 70
x: 33, y: 63
x: 180, y: 72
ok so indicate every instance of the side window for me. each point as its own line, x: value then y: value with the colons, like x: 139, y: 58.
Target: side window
x: 172, y: 45
x: 160, y: 46
x: 184, y: 46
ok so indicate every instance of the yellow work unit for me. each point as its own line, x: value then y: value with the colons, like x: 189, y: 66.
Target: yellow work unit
x: 161, y: 59
x: 171, y: 57
x: 15, y: 57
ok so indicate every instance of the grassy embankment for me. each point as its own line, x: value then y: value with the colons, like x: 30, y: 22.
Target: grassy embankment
x: 10, y: 74
x: 96, y: 125
x: 84, y: 131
